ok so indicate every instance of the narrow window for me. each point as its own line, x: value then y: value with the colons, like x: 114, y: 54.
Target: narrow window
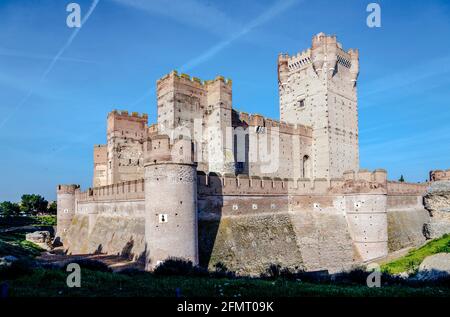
x: 301, y: 103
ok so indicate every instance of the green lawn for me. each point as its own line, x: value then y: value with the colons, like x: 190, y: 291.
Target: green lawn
x: 412, y: 260
x: 40, y: 282
x: 49, y: 283
x: 14, y: 243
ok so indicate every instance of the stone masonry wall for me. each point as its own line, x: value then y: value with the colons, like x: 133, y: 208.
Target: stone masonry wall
x: 249, y: 223
x: 406, y: 215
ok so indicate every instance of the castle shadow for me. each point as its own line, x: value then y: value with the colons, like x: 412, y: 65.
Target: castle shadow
x: 209, y: 215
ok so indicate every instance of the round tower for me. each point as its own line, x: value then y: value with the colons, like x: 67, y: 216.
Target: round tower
x: 170, y: 201
x: 65, y: 195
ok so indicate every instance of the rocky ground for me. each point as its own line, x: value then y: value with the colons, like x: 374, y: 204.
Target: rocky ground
x: 434, y: 267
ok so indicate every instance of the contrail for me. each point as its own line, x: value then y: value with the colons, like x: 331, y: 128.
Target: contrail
x: 20, y: 54
x: 52, y: 63
x: 269, y: 14
x: 277, y: 8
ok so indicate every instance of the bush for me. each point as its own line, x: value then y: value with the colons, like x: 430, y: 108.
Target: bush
x: 355, y: 276
x: 92, y: 265
x: 221, y: 271
x: 46, y: 220
x: 176, y: 266
x: 272, y: 272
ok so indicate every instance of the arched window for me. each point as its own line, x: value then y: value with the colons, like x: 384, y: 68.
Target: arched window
x: 306, y: 167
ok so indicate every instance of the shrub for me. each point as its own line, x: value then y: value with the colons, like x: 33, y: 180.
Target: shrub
x: 221, y: 271
x: 46, y: 220
x: 92, y: 265
x: 177, y: 266
x: 272, y: 272
x: 355, y: 276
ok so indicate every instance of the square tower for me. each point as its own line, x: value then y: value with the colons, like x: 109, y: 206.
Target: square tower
x: 125, y: 149
x: 200, y: 110
x: 317, y: 88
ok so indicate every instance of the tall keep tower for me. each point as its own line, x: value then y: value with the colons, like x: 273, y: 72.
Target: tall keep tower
x: 170, y: 201
x: 317, y: 88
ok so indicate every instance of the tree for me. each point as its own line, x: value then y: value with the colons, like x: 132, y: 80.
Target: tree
x: 32, y: 204
x: 52, y: 208
x: 8, y: 208
x: 401, y: 179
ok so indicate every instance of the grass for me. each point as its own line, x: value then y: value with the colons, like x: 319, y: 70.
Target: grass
x: 28, y: 280
x: 52, y: 283
x: 411, y: 261
x: 14, y: 243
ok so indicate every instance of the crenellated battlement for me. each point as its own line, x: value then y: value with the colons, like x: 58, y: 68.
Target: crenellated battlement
x: 402, y: 188
x: 124, y: 114
x: 378, y: 175
x: 67, y: 189
x: 123, y: 120
x: 152, y: 129
x: 174, y: 77
x: 361, y: 182
x: 440, y: 175
x: 129, y: 190
x: 159, y: 149
x: 257, y: 120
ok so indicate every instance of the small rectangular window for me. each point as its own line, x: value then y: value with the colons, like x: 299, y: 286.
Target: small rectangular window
x: 301, y: 103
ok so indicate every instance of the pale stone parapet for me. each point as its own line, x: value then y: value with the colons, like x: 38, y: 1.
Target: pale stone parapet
x: 406, y: 188
x: 440, y: 175
x: 121, y: 191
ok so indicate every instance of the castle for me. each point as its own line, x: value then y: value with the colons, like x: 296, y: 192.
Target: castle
x: 214, y: 185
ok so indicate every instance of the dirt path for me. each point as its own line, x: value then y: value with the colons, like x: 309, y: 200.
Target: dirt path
x: 115, y: 262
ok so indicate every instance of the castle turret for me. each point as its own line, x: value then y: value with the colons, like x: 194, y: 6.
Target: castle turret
x: 170, y: 201
x: 65, y: 195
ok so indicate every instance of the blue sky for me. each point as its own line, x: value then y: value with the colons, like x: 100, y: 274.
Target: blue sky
x: 57, y: 86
